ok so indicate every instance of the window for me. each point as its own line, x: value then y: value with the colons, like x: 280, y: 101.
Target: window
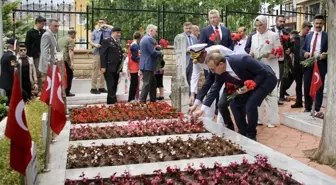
x: 81, y: 20
x: 314, y: 9
x: 82, y: 44
x: 306, y: 13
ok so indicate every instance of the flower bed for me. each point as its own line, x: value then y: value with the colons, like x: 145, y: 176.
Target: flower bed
x: 133, y: 153
x: 137, y: 129
x: 123, y: 112
x: 259, y: 172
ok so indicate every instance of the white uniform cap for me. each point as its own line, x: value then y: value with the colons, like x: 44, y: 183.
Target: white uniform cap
x: 197, y: 47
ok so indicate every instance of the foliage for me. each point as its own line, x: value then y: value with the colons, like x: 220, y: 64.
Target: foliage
x: 3, y: 99
x: 34, y: 111
x: 169, y: 15
x: 21, y: 26
x: 3, y: 107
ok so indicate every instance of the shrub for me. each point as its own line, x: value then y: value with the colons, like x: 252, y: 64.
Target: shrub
x: 3, y: 111
x: 34, y: 111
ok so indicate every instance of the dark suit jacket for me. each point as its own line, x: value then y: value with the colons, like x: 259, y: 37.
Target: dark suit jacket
x: 246, y: 68
x: 249, y: 43
x: 111, y: 55
x: 297, y: 52
x: 8, y: 62
x: 324, y: 45
x: 226, y: 36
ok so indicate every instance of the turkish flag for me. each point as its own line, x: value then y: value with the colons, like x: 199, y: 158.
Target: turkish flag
x: 316, y: 82
x: 57, y: 115
x: 17, y: 130
x: 45, y: 94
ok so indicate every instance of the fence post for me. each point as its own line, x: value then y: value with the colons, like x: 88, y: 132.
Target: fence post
x: 158, y: 21
x: 222, y: 14
x: 226, y: 16
x: 87, y: 27
x: 92, y: 16
x: 325, y: 22
x: 281, y: 9
x: 13, y: 17
x: 163, y: 21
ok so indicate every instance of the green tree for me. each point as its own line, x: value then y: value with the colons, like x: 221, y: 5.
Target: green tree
x: 169, y: 15
x: 20, y: 26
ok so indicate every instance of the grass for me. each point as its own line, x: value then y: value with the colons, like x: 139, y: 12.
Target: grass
x: 34, y: 111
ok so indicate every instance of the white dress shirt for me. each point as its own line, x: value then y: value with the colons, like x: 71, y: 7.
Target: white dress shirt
x: 195, y: 76
x: 317, y: 51
x: 239, y: 48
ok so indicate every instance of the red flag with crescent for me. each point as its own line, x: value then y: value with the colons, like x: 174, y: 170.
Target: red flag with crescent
x: 316, y: 82
x: 17, y: 130
x: 45, y: 94
x: 57, y: 116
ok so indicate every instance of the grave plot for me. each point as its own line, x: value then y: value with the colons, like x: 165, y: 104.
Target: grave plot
x: 123, y: 112
x: 259, y: 172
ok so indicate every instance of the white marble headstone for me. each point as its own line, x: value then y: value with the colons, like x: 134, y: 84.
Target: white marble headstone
x: 180, y: 45
x: 32, y: 168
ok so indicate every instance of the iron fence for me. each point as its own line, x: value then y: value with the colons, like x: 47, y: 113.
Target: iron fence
x: 169, y: 19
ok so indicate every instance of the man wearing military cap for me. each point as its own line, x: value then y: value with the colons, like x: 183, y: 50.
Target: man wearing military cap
x: 8, y: 63
x: 198, y: 53
x: 111, y: 56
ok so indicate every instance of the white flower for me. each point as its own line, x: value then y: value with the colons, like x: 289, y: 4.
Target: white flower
x: 161, y: 156
x: 159, y: 152
x: 173, y: 152
x: 120, y: 153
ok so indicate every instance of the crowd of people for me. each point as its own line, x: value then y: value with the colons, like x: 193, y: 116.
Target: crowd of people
x: 270, y: 57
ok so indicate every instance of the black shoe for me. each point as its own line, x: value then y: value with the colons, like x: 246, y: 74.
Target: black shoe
x: 230, y: 126
x: 282, y: 99
x: 160, y: 98
x: 297, y: 105
x: 252, y: 138
x: 69, y: 94
x: 216, y: 112
x: 280, y: 102
x: 102, y: 90
x: 307, y: 110
x: 94, y: 91
x: 286, y: 94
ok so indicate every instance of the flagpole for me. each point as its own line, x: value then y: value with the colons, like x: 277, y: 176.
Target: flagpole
x: 48, y: 134
x: 312, y: 113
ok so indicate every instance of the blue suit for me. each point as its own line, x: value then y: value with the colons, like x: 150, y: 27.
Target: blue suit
x: 226, y: 36
x: 308, y: 72
x: 249, y: 43
x: 148, y: 66
x: 148, y: 53
x: 246, y: 68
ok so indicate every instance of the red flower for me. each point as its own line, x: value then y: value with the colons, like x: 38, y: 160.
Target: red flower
x: 250, y: 84
x: 164, y: 43
x: 280, y: 51
x: 267, y: 42
x: 129, y: 41
x: 213, y: 37
x: 230, y: 91
x: 285, y: 37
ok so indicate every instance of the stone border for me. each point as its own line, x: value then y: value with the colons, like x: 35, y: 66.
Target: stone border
x: 3, y: 123
x: 301, y: 172
x: 303, y: 122
x: 138, y: 140
x: 148, y: 168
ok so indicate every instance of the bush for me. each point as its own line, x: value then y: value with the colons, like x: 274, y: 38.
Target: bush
x: 34, y: 111
x: 3, y: 111
x: 3, y: 99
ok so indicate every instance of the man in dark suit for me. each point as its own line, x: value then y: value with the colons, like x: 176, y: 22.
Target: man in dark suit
x: 148, y: 55
x: 111, y: 56
x: 249, y: 42
x: 236, y: 69
x: 8, y: 63
x: 215, y: 26
x: 316, y: 44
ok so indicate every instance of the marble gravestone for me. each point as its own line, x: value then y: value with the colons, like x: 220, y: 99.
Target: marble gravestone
x: 180, y: 88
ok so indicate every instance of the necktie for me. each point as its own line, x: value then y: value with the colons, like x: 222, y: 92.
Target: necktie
x: 189, y: 41
x: 314, y: 44
x: 217, y: 32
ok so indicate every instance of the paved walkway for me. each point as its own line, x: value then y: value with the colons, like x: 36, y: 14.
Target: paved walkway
x: 292, y: 142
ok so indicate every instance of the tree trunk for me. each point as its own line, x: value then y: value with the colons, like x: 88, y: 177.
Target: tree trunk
x: 326, y: 153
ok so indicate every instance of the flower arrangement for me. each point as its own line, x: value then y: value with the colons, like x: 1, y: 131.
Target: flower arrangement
x: 248, y: 85
x: 310, y: 61
x: 236, y: 37
x: 149, y: 127
x: 215, y: 37
x: 277, y: 52
x: 134, y: 153
x: 259, y: 172
x: 123, y: 112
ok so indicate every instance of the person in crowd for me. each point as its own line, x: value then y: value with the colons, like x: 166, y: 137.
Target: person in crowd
x: 49, y: 46
x: 28, y: 73
x: 159, y: 77
x: 67, y: 46
x: 262, y: 43
x: 148, y: 63
x: 316, y: 45
x: 239, y: 47
x: 8, y: 63
x: 215, y: 26
x: 195, y: 30
x: 133, y: 65
x: 103, y: 31
x: 111, y: 59
x: 33, y: 44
